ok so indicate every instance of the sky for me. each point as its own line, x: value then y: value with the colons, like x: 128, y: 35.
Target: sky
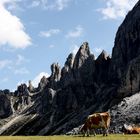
x: 36, y: 33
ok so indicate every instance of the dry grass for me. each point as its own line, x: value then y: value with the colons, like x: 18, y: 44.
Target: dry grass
x: 99, y: 137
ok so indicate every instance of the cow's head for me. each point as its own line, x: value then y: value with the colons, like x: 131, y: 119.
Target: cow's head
x: 127, y: 129
x: 82, y: 127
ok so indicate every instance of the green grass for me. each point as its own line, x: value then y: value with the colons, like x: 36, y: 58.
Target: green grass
x: 98, y: 137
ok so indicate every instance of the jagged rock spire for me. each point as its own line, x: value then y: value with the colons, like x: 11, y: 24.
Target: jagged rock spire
x: 56, y: 72
x: 82, y: 54
x: 69, y: 61
x: 68, y: 64
x: 43, y: 82
x: 30, y: 86
x: 102, y: 56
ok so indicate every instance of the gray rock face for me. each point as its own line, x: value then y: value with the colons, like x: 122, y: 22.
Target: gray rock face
x: 5, y: 105
x: 67, y: 71
x: 69, y: 62
x: 127, y: 42
x: 130, y: 82
x: 125, y: 56
x: 83, y: 86
x: 30, y: 87
x: 55, y: 75
x: 20, y: 99
x: 126, y: 112
x: 43, y: 83
x: 102, y: 67
x: 56, y: 72
x: 84, y: 65
x: 82, y: 54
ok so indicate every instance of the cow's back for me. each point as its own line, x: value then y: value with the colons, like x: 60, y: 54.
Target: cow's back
x: 136, y: 130
x: 95, y: 120
x: 98, y: 120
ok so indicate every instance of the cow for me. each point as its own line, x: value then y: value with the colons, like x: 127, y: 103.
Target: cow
x: 128, y: 129
x: 96, y: 120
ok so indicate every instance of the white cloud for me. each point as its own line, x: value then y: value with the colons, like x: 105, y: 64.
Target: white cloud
x: 50, y: 5
x: 5, y: 63
x: 37, y: 79
x: 20, y: 59
x: 51, y: 46
x: 77, y: 32
x: 21, y: 71
x: 12, y: 31
x: 49, y: 33
x: 13, y: 6
x: 15, y: 66
x: 116, y: 8
x: 61, y: 4
x: 35, y: 4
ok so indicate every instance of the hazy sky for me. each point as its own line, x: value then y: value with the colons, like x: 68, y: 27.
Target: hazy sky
x: 36, y: 33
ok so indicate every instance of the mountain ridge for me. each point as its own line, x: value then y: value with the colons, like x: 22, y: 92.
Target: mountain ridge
x: 84, y: 85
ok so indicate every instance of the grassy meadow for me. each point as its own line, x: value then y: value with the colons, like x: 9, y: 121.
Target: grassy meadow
x: 98, y: 137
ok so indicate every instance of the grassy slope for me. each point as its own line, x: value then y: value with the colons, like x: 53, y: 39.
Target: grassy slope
x: 99, y: 137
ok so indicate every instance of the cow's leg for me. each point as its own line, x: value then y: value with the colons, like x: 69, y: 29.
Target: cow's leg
x: 105, y: 131
x: 83, y: 132
x: 88, y: 132
x: 94, y: 132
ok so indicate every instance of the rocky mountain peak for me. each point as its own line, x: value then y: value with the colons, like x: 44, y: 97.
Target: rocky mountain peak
x: 43, y: 82
x: 56, y: 72
x: 30, y: 86
x: 82, y: 54
x: 84, y: 50
x: 69, y: 61
x: 102, y: 56
x: 66, y: 74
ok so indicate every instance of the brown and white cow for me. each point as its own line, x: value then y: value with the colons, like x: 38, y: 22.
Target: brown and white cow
x: 96, y: 120
x: 128, y: 129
